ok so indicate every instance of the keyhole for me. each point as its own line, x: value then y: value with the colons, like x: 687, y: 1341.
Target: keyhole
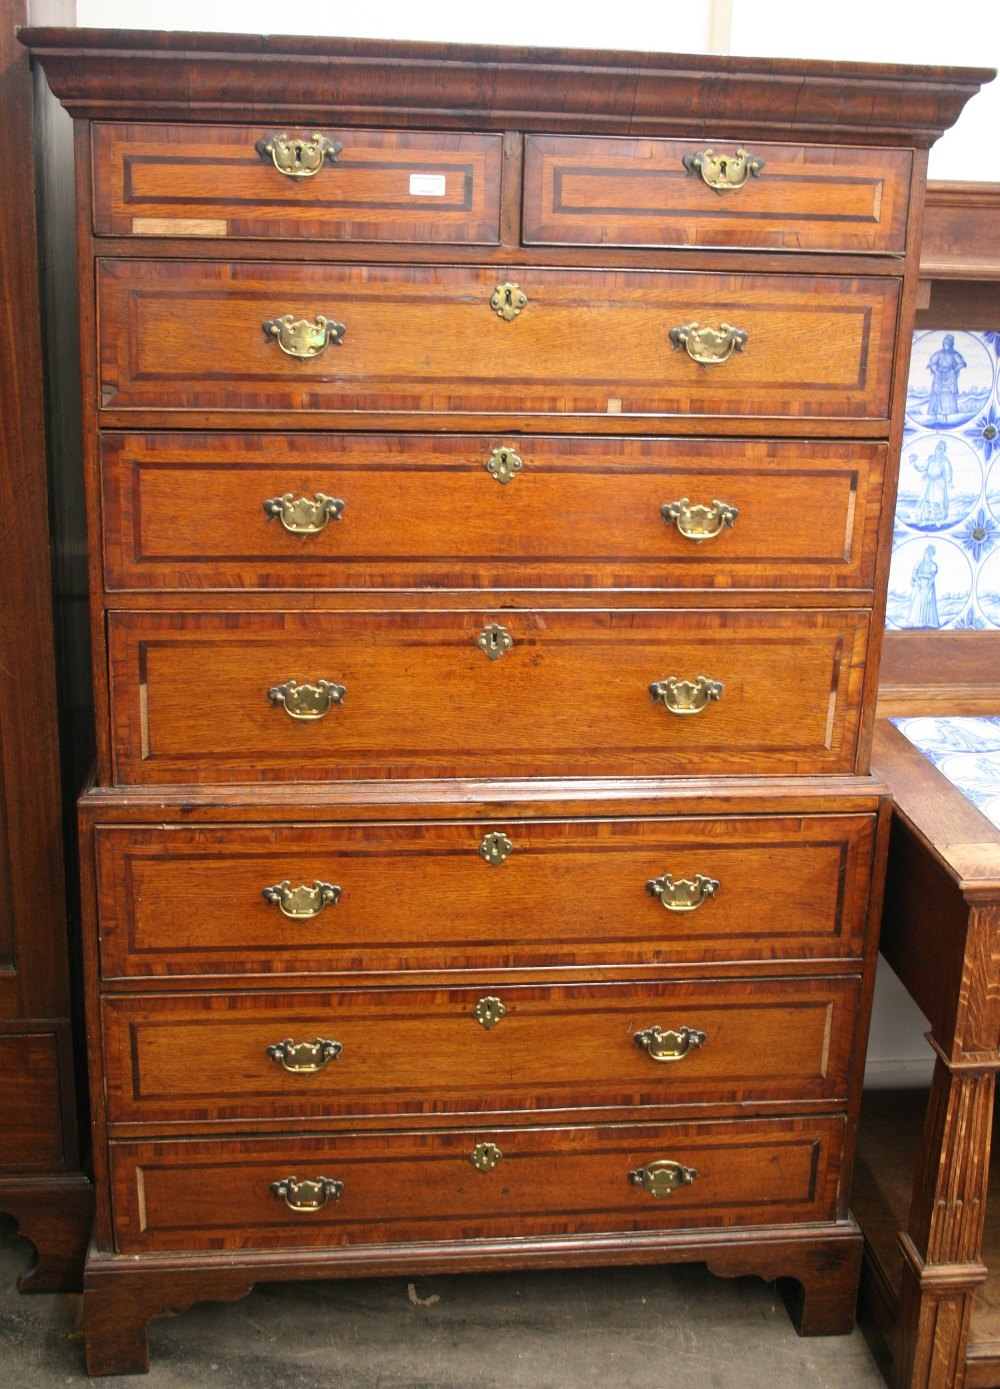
x: 494, y: 640
x: 509, y: 296
x: 298, y: 154
x: 722, y: 167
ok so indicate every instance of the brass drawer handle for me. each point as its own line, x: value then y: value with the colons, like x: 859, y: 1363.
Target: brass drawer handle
x: 684, y: 895
x: 304, y: 1058
x: 663, y: 1177
x: 304, y: 337
x: 709, y: 346
x: 495, y: 641
x: 485, y: 1156
x: 508, y: 300
x: 697, y: 522
x: 301, y: 903
x: 488, y: 1012
x: 669, y: 1045
x: 504, y: 464
x: 297, y: 156
x: 496, y: 847
x: 304, y: 517
x: 307, y: 1195
x: 307, y: 701
x: 724, y: 172
x: 686, y: 696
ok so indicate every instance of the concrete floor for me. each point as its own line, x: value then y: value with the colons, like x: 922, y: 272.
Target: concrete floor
x: 655, y: 1328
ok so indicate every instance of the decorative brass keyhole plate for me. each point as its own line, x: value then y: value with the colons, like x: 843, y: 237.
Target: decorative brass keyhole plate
x: 504, y: 464
x: 301, y: 903
x: 508, y: 300
x: 724, y: 172
x: 485, y: 1156
x: 663, y: 1177
x: 298, y: 156
x: 496, y: 847
x: 709, y: 346
x: 495, y: 641
x: 488, y: 1012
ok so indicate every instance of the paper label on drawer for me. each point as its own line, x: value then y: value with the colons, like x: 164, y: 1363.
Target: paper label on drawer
x: 427, y: 185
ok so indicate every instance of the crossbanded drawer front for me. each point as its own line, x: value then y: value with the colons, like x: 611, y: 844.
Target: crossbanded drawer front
x: 399, y: 1188
x: 239, y: 181
x: 181, y: 902
x: 588, y: 191
x: 305, y: 696
x: 299, y: 1057
x: 204, y: 511
x: 427, y: 341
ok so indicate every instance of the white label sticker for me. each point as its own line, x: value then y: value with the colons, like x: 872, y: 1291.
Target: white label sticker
x: 427, y: 185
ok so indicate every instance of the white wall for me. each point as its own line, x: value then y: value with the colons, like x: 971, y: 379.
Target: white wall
x: 964, y: 32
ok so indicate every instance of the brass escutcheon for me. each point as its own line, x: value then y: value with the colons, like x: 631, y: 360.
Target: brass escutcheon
x: 669, y: 1044
x: 488, y: 1012
x: 699, y: 522
x: 686, y: 696
x: 303, y: 337
x: 307, y: 1195
x: 508, y: 300
x: 663, y: 1177
x: 504, y: 464
x: 304, y: 1058
x: 307, y: 702
x: 496, y: 847
x: 724, y: 172
x: 301, y: 903
x: 304, y: 517
x: 709, y: 346
x: 495, y: 641
x: 684, y: 895
x: 485, y: 1156
x: 298, y: 156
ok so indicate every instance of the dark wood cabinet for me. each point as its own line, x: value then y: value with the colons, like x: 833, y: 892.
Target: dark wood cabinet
x: 488, y: 484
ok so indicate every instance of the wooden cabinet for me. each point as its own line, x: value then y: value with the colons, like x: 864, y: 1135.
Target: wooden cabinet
x: 487, y: 489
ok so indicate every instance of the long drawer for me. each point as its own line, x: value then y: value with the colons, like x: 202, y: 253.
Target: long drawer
x: 589, y: 191
x: 298, y: 1057
x: 393, y: 1189
x: 207, y: 336
x: 299, y: 696
x: 202, y: 903
x: 348, y: 185
x: 204, y: 511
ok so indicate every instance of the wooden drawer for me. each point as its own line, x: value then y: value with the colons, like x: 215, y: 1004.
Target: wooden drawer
x: 191, y: 701
x: 406, y: 1187
x: 180, y: 902
x: 204, y: 180
x: 184, y: 1059
x: 186, y: 511
x: 614, y: 192
x: 424, y: 340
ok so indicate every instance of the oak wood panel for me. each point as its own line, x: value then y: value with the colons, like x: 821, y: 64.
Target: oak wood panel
x: 397, y: 186
x: 32, y: 1137
x: 187, y: 336
x: 596, y: 192
x: 186, y: 1059
x: 189, y: 694
x: 187, y: 903
x: 186, y: 511
x: 414, y: 1186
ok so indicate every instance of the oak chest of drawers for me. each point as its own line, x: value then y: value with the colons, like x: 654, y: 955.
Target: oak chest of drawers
x: 488, y: 468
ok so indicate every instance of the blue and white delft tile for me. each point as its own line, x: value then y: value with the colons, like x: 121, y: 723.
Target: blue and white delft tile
x: 966, y: 751
x: 944, y: 573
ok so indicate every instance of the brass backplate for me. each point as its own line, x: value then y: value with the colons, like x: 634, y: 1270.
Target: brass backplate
x: 663, y: 1177
x: 301, y: 903
x: 298, y: 156
x: 724, y: 172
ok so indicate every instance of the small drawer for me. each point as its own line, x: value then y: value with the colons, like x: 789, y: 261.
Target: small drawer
x: 397, y: 1053
x: 587, y: 191
x: 399, y: 1189
x: 313, y: 185
x: 342, y: 511
x: 425, y: 341
x: 321, y: 695
x: 184, y: 903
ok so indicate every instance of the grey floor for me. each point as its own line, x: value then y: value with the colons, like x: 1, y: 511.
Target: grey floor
x: 657, y: 1328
